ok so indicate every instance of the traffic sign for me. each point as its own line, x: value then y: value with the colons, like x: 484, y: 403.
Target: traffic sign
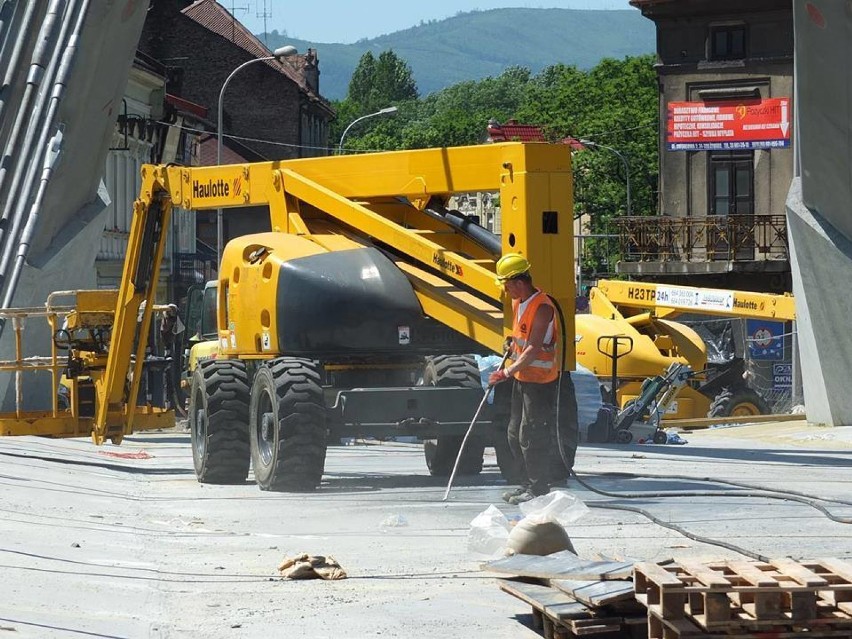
x: 765, y: 339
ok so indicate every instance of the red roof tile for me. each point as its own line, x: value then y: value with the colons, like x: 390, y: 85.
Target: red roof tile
x: 514, y: 132
x: 213, y: 16
x: 574, y: 143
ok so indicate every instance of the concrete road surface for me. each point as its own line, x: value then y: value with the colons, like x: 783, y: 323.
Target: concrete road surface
x: 123, y: 542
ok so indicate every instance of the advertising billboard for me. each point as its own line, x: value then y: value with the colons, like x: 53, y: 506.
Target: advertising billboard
x: 722, y: 125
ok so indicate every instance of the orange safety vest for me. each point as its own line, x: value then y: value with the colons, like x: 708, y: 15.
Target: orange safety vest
x: 543, y: 369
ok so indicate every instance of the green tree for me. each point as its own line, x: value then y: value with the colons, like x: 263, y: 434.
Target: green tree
x: 375, y: 84
x: 615, y: 105
x: 459, y: 115
x: 361, y: 84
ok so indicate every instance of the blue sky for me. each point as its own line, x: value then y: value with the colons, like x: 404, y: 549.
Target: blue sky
x: 350, y: 20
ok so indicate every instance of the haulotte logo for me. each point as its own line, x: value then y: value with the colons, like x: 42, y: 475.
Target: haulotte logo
x: 211, y: 188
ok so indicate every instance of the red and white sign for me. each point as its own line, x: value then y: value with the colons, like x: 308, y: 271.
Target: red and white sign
x: 728, y: 125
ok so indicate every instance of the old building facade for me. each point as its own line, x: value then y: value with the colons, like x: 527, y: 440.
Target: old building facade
x: 725, y: 71
x: 271, y: 110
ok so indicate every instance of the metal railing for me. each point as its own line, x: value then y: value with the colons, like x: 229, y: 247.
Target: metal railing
x: 665, y: 238
x: 53, y: 363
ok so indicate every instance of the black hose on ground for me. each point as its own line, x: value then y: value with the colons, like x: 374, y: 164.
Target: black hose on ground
x: 559, y: 442
x: 769, y: 494
x: 666, y: 524
x: 728, y: 482
x: 778, y: 494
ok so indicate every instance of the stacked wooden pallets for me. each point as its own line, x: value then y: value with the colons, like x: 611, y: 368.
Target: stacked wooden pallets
x: 572, y: 597
x: 780, y: 599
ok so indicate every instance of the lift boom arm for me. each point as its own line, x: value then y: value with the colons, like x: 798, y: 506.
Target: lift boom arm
x: 382, y: 199
x: 668, y: 301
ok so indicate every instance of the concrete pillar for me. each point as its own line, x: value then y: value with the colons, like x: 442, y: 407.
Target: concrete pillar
x: 819, y: 208
x: 821, y: 259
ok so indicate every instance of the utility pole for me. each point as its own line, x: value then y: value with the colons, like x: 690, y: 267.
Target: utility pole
x: 233, y: 10
x: 264, y: 14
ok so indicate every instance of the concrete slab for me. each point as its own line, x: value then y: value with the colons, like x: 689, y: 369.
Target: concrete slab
x: 94, y: 544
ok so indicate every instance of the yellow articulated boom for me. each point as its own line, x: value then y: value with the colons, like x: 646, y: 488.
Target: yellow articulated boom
x: 634, y: 320
x: 358, y: 313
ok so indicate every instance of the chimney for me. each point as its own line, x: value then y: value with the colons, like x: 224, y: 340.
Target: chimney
x: 310, y: 70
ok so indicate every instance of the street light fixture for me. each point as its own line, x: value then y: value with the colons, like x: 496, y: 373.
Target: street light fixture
x: 623, y: 159
x: 279, y: 54
x: 391, y: 110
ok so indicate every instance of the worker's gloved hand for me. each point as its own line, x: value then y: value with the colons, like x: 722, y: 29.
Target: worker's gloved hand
x: 507, y: 345
x: 497, y: 377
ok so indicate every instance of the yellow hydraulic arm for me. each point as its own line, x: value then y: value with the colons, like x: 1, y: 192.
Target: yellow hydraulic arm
x: 668, y: 301
x: 383, y: 199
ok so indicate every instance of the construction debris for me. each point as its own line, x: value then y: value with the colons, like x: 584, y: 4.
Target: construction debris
x: 306, y: 566
x: 541, y: 530
x: 782, y: 598
x: 558, y: 613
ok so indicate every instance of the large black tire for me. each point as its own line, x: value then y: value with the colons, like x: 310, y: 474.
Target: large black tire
x: 441, y: 455
x: 458, y: 371
x: 287, y: 425
x: 739, y: 401
x: 218, y: 422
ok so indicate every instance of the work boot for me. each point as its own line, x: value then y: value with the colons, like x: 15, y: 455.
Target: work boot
x: 520, y: 498
x: 509, y: 494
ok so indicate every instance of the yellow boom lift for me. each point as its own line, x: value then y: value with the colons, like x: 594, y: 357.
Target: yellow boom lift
x: 358, y: 313
x: 629, y: 334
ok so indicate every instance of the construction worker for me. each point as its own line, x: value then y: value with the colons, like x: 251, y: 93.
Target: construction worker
x: 534, y: 369
x: 170, y: 328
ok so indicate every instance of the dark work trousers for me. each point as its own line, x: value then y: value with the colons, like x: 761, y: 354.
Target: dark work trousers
x: 533, y: 408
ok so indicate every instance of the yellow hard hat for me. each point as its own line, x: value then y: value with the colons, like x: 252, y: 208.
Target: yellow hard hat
x: 511, y: 265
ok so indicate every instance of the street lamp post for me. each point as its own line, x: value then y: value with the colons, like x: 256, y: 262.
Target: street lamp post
x: 279, y: 54
x: 386, y: 111
x: 623, y: 159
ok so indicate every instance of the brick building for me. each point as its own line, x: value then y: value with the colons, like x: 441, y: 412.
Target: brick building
x: 201, y: 44
x: 271, y: 110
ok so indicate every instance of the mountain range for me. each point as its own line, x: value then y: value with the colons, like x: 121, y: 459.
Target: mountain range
x: 478, y: 44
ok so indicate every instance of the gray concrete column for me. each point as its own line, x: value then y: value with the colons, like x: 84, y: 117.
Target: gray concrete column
x: 821, y: 259
x: 819, y: 208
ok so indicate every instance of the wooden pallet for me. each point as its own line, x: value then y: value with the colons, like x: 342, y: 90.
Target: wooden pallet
x: 557, y: 615
x: 740, y: 597
x: 560, y: 565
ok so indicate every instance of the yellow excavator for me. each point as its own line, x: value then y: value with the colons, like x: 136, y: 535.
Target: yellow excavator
x: 359, y: 312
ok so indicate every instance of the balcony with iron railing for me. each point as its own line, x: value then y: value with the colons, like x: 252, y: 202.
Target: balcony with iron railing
x: 712, y: 243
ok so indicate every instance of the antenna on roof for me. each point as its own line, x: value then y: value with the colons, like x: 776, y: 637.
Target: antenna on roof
x: 233, y: 10
x: 264, y: 14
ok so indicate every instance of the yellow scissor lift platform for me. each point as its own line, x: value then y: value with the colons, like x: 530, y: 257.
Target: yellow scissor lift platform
x: 92, y: 313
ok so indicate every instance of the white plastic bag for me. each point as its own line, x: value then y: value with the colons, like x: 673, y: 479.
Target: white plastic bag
x: 559, y: 506
x: 488, y: 533
x: 487, y: 364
